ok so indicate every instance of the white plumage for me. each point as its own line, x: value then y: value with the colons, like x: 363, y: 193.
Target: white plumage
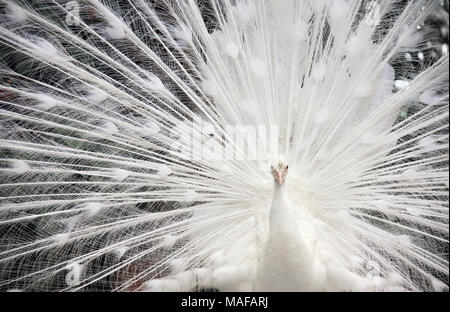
x: 122, y: 169
x: 290, y: 258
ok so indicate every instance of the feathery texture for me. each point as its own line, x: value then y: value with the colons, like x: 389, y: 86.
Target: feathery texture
x: 103, y: 187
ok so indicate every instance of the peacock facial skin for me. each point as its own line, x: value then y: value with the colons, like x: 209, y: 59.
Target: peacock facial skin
x: 279, y: 172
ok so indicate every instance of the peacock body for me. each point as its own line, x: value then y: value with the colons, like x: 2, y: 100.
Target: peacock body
x: 123, y: 167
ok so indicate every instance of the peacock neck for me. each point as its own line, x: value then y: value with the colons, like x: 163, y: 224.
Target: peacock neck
x: 284, y: 261
x: 279, y: 215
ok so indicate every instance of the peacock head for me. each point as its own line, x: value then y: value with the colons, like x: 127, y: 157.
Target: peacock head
x: 279, y: 170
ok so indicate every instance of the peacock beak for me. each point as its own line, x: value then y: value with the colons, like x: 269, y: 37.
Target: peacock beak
x: 280, y: 175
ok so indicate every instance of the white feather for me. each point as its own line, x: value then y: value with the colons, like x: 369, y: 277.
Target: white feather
x: 120, y: 147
